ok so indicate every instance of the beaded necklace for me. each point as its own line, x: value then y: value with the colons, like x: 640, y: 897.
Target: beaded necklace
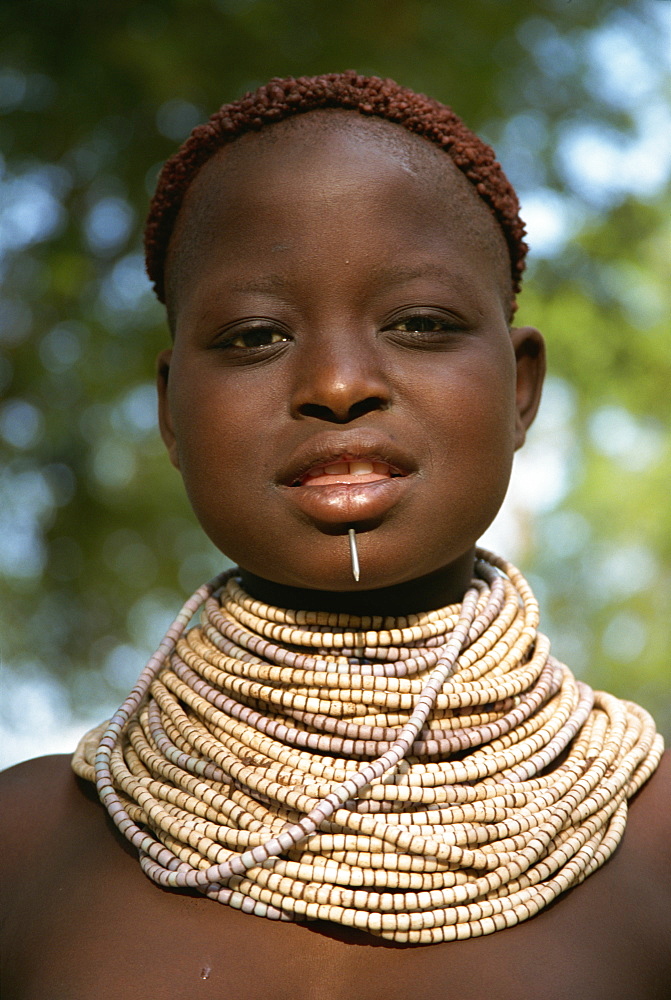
x: 428, y: 778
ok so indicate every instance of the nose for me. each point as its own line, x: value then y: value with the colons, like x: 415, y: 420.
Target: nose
x: 339, y: 378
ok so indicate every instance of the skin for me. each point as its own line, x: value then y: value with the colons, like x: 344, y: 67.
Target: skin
x: 314, y: 230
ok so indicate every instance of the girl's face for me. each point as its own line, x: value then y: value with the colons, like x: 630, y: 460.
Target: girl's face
x: 342, y: 356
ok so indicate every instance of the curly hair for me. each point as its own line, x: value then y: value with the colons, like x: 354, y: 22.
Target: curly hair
x: 283, y: 98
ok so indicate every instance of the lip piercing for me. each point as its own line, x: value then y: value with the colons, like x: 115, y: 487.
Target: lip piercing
x: 354, y: 555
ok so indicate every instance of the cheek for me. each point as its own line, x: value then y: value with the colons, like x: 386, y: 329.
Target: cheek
x: 472, y: 437
x: 221, y: 463
x: 473, y: 410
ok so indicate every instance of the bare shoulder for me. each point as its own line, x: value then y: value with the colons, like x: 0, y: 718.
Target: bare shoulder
x: 639, y: 873
x: 27, y: 788
x: 649, y: 820
x: 41, y: 800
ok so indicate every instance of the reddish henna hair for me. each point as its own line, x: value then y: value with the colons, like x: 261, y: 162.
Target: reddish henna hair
x: 283, y: 98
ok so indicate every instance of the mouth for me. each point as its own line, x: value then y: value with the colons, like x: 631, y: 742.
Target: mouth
x: 350, y: 458
x: 337, y: 480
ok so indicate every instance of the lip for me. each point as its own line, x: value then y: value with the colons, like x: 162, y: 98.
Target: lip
x: 341, y: 503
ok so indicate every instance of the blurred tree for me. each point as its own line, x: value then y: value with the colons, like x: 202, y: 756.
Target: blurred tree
x: 97, y: 541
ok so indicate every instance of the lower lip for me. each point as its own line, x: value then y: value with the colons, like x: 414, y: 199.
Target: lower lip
x: 347, y: 503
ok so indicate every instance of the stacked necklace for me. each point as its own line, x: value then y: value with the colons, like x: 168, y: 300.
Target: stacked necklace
x: 428, y: 778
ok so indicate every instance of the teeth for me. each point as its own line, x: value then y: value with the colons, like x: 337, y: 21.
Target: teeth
x: 356, y: 468
x: 360, y: 468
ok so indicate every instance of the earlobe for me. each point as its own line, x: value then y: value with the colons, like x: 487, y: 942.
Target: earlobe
x: 164, y: 415
x: 529, y: 347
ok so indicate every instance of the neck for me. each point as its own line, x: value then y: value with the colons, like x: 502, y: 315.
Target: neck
x: 425, y: 593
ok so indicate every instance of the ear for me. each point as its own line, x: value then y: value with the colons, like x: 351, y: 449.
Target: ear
x: 164, y: 414
x: 529, y: 348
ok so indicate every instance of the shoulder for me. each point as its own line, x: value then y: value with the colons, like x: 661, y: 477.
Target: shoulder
x: 654, y: 798
x: 41, y: 799
x: 46, y: 778
x: 649, y: 821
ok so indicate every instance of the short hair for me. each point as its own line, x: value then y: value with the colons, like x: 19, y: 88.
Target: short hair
x: 281, y: 99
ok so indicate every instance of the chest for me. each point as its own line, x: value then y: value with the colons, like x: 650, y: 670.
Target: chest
x: 98, y: 928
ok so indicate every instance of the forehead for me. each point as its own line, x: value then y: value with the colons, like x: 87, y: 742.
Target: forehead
x: 289, y: 181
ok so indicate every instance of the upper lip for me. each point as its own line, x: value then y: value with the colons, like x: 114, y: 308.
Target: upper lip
x: 345, y: 446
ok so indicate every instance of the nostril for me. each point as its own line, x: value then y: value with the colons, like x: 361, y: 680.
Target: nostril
x: 365, y: 406
x: 320, y: 412
x: 356, y: 410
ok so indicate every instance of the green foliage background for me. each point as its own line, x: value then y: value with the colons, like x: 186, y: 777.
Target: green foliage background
x: 98, y: 542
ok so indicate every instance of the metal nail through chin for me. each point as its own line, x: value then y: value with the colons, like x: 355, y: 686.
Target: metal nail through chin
x: 354, y: 555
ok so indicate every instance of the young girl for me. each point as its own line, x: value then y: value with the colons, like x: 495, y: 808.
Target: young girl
x: 366, y: 741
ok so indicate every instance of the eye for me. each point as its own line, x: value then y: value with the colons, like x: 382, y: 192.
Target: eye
x: 422, y: 328
x: 419, y: 324
x: 258, y: 337
x: 255, y: 338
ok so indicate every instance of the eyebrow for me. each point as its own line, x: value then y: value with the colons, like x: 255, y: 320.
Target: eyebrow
x: 271, y: 283
x: 385, y: 274
x: 398, y: 273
